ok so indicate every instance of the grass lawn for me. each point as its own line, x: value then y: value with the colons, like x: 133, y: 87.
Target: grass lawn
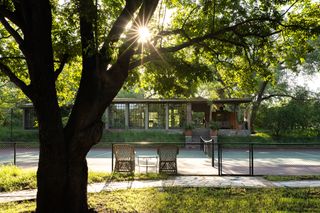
x: 291, y: 177
x: 13, y: 178
x: 197, y: 200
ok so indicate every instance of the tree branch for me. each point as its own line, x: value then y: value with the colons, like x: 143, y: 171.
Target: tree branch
x: 279, y: 95
x: 12, y: 57
x: 63, y: 62
x: 155, y: 54
x: 7, y: 71
x: 146, y: 10
x: 4, y: 12
x: 120, y: 24
x: 5, y: 37
x: 188, y: 16
x: 14, y: 33
x: 289, y: 8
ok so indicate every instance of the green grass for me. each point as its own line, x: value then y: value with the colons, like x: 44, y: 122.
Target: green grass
x: 208, y: 200
x: 138, y: 176
x: 291, y: 177
x: 17, y: 207
x: 176, y: 199
x: 13, y: 178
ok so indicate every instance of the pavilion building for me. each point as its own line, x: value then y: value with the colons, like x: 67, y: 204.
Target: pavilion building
x: 170, y: 114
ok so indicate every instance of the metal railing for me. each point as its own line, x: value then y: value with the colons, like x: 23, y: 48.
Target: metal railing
x: 225, y: 158
x: 18, y: 153
x: 267, y: 158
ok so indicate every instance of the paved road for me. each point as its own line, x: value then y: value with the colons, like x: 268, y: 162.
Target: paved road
x: 195, y: 162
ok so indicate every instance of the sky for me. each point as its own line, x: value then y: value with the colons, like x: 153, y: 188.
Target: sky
x: 312, y: 82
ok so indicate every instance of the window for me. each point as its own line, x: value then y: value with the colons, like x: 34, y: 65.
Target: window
x: 177, y: 115
x: 197, y: 119
x: 30, y: 121
x: 137, y: 116
x: 157, y: 116
x: 117, y: 116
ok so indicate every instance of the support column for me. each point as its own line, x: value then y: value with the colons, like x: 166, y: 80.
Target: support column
x: 189, y: 113
x: 188, y: 137
x: 106, y: 116
x: 167, y: 116
x: 24, y: 118
x: 146, y: 119
x: 126, y: 116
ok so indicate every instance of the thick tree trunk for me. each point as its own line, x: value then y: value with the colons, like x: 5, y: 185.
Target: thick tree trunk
x: 62, y: 170
x: 52, y: 167
x: 76, y: 192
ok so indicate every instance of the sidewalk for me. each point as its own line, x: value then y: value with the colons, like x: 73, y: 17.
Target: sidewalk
x: 179, y: 181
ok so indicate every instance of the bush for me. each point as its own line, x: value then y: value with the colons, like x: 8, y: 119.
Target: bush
x: 300, y: 117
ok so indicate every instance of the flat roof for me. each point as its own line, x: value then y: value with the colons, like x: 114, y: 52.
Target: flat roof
x: 191, y: 100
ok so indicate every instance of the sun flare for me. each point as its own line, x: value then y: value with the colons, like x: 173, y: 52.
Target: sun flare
x: 144, y: 34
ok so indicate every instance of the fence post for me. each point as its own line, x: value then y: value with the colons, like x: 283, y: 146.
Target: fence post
x: 212, y: 152
x: 251, y: 159
x: 11, y: 112
x: 15, y: 153
x: 111, y: 157
x: 219, y: 159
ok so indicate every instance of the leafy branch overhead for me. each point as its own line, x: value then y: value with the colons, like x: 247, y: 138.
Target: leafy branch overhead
x: 255, y: 33
x: 220, y: 31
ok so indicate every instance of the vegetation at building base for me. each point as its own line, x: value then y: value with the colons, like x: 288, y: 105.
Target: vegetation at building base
x: 142, y: 135
x: 261, y: 136
x: 196, y: 200
x: 31, y: 136
x: 18, y: 135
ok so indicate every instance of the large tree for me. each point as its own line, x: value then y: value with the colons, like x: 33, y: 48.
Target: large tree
x: 109, y: 50
x: 62, y: 168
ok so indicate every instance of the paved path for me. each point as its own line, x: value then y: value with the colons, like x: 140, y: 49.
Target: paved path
x: 182, y: 181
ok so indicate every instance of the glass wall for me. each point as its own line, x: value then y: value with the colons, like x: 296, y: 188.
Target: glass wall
x: 157, y: 116
x: 177, y: 115
x: 137, y: 116
x: 30, y: 119
x: 117, y: 116
x: 198, y: 119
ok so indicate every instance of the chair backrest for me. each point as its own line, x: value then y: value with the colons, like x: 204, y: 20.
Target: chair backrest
x: 168, y: 153
x: 123, y: 151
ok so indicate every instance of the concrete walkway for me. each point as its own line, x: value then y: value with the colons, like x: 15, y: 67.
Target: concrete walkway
x: 178, y: 181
